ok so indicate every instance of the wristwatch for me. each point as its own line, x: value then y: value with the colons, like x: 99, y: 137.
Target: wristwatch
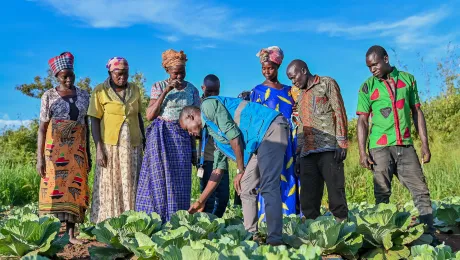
x: 238, y: 171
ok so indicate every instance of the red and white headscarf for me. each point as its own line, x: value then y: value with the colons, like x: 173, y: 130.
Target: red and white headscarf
x: 63, y: 61
x: 273, y: 54
x: 117, y: 63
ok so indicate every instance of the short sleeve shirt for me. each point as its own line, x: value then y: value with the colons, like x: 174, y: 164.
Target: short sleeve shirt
x: 390, y: 114
x: 54, y: 106
x: 216, y: 112
x: 175, y: 100
x: 106, y: 105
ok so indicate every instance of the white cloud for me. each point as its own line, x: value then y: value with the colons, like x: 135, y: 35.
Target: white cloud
x: 216, y: 21
x: 7, y: 123
x: 169, y: 38
x: 206, y: 46
x: 415, y: 30
x: 178, y: 16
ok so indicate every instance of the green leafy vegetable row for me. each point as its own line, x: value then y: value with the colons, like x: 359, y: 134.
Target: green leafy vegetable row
x: 371, y: 232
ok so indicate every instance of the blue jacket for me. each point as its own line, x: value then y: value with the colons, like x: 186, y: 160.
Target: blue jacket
x: 252, y: 119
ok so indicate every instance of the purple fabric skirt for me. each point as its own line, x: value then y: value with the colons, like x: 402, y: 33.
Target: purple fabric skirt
x: 165, y: 180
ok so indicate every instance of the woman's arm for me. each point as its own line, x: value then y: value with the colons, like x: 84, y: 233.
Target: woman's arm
x: 153, y: 111
x: 141, y: 126
x: 101, y: 157
x: 40, y: 148
x: 88, y: 148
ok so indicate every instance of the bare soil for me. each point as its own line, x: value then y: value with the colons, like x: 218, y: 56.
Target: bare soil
x: 78, y: 252
x: 452, y: 240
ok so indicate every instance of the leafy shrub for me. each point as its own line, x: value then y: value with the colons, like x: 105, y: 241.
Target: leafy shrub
x: 447, y: 214
x: 386, y: 231
x: 441, y: 252
x: 31, y: 235
x: 200, y: 225
x: 19, y: 146
x: 121, y: 234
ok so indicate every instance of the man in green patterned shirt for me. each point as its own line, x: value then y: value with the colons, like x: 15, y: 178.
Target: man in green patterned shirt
x: 390, y: 97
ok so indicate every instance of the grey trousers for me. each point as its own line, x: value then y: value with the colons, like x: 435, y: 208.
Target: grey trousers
x: 264, y: 170
x: 403, y: 162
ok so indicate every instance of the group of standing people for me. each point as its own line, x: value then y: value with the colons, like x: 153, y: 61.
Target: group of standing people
x: 286, y: 141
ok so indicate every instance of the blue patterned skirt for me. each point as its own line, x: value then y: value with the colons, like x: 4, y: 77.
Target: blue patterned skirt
x: 165, y: 180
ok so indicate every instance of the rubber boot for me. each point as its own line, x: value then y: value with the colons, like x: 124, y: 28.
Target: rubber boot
x: 428, y: 221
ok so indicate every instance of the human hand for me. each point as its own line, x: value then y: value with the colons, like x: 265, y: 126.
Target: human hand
x: 237, y: 182
x: 172, y: 84
x: 101, y: 157
x: 340, y: 155
x: 197, y: 206
x: 426, y: 154
x: 366, y: 161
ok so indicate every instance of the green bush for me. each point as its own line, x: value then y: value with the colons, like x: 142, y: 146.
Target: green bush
x: 19, y: 146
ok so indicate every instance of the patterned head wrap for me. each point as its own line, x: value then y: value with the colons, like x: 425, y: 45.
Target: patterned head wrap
x: 273, y: 54
x: 173, y: 58
x: 63, y: 61
x: 117, y: 63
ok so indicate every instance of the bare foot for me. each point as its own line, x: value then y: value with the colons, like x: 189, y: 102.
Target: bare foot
x: 75, y: 241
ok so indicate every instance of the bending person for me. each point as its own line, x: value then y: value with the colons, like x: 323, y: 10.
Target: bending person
x: 256, y: 138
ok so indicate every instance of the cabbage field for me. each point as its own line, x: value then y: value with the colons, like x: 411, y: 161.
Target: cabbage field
x: 372, y: 232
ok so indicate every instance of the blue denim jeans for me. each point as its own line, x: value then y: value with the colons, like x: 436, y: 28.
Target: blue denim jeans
x: 217, y: 202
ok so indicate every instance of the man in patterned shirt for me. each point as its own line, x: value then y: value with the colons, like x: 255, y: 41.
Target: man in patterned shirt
x: 322, y: 141
x: 390, y: 97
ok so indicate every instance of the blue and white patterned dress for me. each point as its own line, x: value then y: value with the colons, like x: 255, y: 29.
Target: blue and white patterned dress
x: 282, y: 101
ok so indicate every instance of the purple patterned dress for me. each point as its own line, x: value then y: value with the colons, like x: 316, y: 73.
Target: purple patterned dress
x: 165, y: 180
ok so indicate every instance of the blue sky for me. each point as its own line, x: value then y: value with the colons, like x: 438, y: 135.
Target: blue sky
x: 218, y: 37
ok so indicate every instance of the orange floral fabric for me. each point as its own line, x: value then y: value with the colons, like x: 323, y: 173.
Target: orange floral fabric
x: 65, y: 187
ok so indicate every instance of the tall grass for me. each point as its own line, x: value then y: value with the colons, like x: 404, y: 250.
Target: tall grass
x: 442, y: 175
x: 19, y: 184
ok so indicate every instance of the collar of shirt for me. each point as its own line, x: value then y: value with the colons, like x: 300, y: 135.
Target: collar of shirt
x: 316, y: 81
x: 393, y: 74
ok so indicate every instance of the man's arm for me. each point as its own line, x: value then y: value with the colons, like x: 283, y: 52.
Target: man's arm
x: 211, y: 186
x: 220, y: 165
x: 363, y: 110
x: 341, y: 122
x: 420, y: 126
x: 419, y: 121
x: 363, y: 131
x: 218, y: 114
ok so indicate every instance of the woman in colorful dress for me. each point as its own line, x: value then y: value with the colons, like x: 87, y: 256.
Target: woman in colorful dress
x: 165, y: 180
x: 118, y: 133
x: 63, y: 155
x: 271, y: 93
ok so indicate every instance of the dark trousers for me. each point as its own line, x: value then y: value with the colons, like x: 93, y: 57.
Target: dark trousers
x: 315, y: 169
x: 237, y: 199
x: 217, y: 202
x: 403, y: 162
